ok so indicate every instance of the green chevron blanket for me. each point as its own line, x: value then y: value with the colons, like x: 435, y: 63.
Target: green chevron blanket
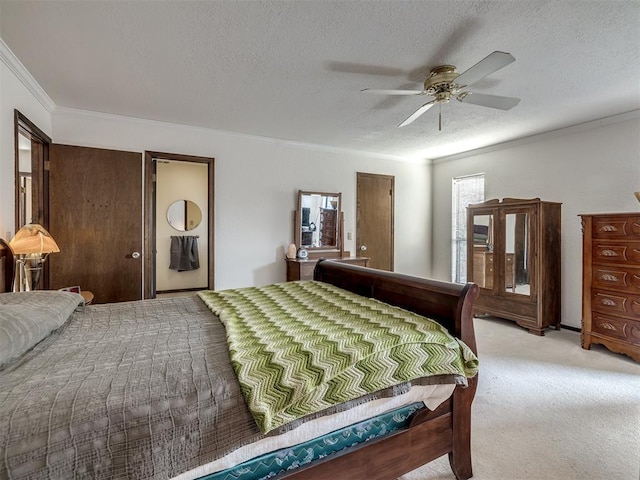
x: 300, y: 347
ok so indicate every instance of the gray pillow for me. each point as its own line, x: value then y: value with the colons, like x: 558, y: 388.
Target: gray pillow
x: 26, y: 318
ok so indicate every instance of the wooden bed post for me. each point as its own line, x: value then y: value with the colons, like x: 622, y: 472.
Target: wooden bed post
x: 7, y: 267
x: 460, y: 456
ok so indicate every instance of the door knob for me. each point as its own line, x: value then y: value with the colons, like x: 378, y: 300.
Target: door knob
x: 135, y: 255
x: 363, y: 247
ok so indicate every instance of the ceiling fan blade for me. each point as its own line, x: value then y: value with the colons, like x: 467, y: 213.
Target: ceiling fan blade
x: 492, y: 101
x: 392, y: 92
x: 491, y: 63
x: 417, y: 113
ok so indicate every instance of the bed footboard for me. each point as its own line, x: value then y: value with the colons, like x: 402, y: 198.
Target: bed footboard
x: 431, y: 434
x: 450, y: 304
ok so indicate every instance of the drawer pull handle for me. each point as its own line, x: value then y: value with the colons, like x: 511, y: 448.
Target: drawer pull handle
x: 609, y: 277
x: 608, y: 326
x: 608, y: 302
x: 609, y: 253
x: 609, y: 228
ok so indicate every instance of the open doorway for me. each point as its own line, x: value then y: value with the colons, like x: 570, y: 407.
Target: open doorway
x: 31, y: 173
x: 31, y: 181
x: 179, y: 195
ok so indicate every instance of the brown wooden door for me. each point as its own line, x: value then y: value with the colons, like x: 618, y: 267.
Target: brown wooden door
x: 95, y: 216
x: 374, y: 219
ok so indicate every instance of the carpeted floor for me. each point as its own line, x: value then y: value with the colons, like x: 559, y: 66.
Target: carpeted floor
x: 546, y: 409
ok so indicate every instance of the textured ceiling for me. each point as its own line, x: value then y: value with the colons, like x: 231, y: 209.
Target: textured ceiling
x: 293, y: 70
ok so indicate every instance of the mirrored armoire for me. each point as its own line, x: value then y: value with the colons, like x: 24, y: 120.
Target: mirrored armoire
x: 513, y: 254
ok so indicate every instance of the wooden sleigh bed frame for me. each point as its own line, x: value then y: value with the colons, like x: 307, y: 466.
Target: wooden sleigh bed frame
x: 431, y: 434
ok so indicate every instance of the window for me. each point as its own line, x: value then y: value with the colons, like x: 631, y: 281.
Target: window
x: 465, y: 190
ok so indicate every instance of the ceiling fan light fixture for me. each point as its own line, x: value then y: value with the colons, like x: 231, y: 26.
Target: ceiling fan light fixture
x: 441, y: 78
x: 443, y: 97
x: 444, y: 82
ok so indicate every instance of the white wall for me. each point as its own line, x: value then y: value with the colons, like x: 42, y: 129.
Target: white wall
x: 33, y: 103
x: 256, y: 189
x: 593, y: 168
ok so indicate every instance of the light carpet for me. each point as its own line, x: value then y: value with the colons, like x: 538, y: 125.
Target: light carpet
x: 546, y: 409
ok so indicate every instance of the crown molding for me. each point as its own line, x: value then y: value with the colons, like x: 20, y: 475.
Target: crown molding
x: 580, y: 127
x: 253, y: 138
x: 11, y: 61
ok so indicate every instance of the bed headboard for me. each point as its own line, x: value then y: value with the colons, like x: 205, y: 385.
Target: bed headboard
x: 7, y: 265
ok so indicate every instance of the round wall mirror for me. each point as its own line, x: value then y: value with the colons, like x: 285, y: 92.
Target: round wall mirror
x: 184, y: 215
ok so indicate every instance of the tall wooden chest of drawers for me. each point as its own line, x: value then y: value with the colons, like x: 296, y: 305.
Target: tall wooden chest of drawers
x: 611, y: 282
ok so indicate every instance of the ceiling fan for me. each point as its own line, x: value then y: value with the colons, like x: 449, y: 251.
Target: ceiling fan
x: 445, y: 83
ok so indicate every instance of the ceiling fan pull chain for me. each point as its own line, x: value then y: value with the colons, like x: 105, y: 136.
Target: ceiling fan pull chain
x: 440, y: 117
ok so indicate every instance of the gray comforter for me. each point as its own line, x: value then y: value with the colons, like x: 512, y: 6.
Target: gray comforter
x: 129, y: 390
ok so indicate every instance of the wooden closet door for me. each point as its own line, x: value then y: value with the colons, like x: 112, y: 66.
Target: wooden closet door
x: 374, y: 219
x: 95, y: 216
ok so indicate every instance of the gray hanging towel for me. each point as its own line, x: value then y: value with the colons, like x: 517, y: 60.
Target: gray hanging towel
x: 184, y: 253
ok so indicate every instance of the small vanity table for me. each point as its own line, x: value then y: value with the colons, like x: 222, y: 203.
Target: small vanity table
x: 298, y: 269
x: 318, y: 227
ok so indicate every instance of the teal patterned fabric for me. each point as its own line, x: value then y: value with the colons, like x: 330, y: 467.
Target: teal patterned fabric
x: 274, y: 463
x: 301, y: 347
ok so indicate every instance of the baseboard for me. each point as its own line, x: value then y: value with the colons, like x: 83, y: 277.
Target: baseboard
x: 197, y: 289
x: 568, y: 327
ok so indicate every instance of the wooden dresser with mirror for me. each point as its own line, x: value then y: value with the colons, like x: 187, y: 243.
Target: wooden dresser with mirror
x: 318, y: 228
x: 513, y: 254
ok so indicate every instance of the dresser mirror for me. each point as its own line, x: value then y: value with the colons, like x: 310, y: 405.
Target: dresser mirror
x: 318, y: 221
x: 482, y: 260
x: 482, y: 234
x: 184, y: 215
x: 517, y: 252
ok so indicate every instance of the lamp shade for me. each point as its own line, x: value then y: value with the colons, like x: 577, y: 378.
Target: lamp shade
x: 33, y: 238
